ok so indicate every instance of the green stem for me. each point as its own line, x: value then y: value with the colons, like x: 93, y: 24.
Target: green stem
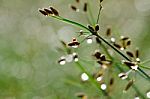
x: 144, y: 67
x: 84, y: 27
x: 71, y: 22
x: 144, y: 62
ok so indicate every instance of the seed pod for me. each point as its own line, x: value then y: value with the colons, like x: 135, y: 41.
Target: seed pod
x: 98, y: 40
x: 91, y: 28
x: 129, y: 63
x: 73, y: 8
x: 48, y: 11
x: 124, y: 38
x: 137, y: 53
x: 43, y: 12
x: 108, y: 32
x: 97, y: 55
x: 97, y: 27
x: 117, y: 45
x: 85, y: 7
x: 54, y: 11
x: 111, y: 82
x: 100, y: 62
x: 128, y: 42
x: 102, y: 57
x: 123, y: 76
x: 130, y: 83
x: 74, y: 43
x: 130, y: 54
x: 75, y: 57
x: 62, y: 61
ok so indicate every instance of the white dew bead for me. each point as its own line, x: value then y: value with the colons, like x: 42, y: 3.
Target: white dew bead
x: 89, y: 40
x: 84, y: 77
x: 103, y: 86
x: 148, y: 94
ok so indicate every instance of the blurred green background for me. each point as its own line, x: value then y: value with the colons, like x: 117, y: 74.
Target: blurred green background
x: 28, y: 42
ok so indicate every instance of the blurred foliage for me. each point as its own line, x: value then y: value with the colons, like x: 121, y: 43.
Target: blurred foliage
x: 28, y: 42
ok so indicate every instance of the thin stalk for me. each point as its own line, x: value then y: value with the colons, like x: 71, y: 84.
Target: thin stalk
x: 144, y: 67
x: 96, y: 34
x: 99, y: 12
x: 71, y: 22
x: 144, y: 62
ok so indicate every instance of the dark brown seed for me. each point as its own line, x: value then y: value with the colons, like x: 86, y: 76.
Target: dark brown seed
x: 85, y: 7
x: 97, y: 27
x: 98, y: 40
x: 91, y: 28
x: 48, y: 11
x: 61, y: 60
x: 130, y: 54
x: 108, y: 32
x: 129, y: 64
x: 102, y: 57
x: 54, y: 11
x: 75, y: 56
x: 130, y: 83
x: 137, y: 53
x: 73, y: 44
x: 97, y: 55
x: 117, y: 45
x: 100, y: 62
x: 123, y: 75
x: 128, y: 43
x: 43, y: 12
x: 125, y: 38
x: 111, y: 81
x: 73, y: 8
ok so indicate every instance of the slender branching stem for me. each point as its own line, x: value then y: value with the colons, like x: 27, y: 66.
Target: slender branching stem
x: 96, y: 34
x: 146, y: 67
x: 99, y: 12
x: 145, y: 62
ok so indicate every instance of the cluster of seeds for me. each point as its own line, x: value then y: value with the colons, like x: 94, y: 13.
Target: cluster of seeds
x: 49, y: 11
x: 120, y: 45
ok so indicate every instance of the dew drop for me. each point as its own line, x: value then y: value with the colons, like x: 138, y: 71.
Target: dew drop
x: 103, y: 86
x: 84, y: 77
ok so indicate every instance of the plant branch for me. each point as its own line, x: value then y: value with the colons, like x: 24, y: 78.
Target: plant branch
x: 96, y: 34
x: 144, y: 67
